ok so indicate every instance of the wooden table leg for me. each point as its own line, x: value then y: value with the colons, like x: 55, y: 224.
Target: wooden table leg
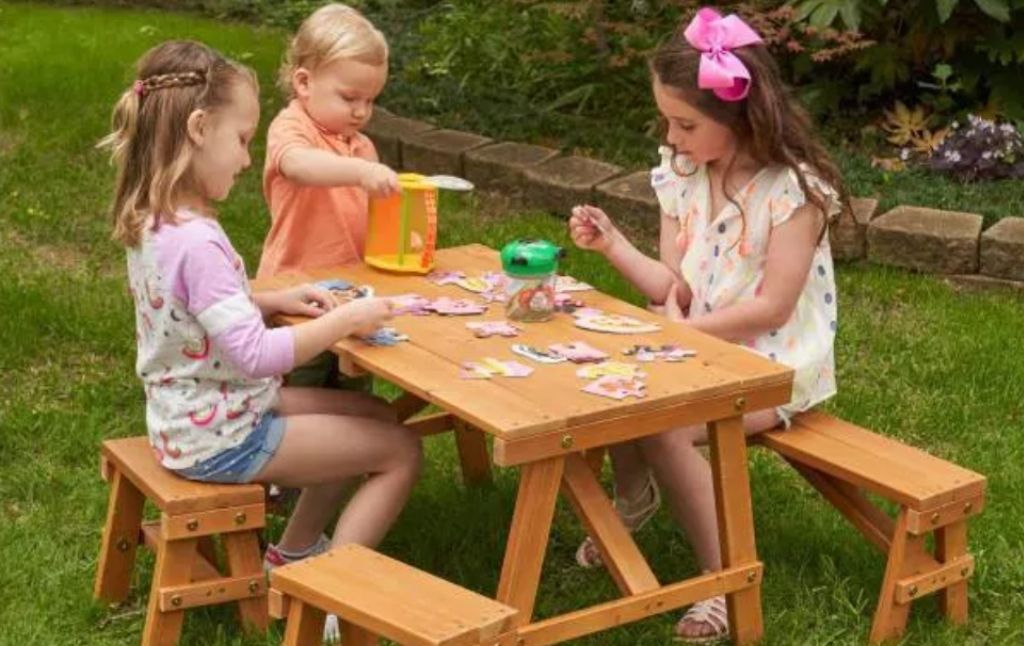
x: 891, y: 616
x: 735, y: 522
x: 305, y: 625
x: 243, y: 556
x: 472, y: 447
x: 528, y: 536
x: 120, y: 537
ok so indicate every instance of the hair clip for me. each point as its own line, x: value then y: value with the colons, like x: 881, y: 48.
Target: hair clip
x: 139, y: 88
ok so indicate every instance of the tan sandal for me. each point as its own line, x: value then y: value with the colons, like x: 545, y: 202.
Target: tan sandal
x: 634, y: 516
x: 711, y: 612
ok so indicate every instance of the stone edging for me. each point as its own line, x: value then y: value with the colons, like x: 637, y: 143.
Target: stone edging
x: 921, y: 239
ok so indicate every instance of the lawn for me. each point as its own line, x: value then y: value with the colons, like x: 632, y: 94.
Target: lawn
x: 917, y: 360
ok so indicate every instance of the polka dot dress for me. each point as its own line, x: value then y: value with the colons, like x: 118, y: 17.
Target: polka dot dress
x: 724, y: 257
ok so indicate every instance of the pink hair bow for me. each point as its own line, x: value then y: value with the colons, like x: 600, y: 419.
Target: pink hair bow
x: 720, y: 70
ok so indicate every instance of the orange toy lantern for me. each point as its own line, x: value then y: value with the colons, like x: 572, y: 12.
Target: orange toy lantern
x: 402, y: 231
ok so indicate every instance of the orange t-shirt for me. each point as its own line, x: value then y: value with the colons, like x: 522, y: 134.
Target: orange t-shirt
x: 311, y: 226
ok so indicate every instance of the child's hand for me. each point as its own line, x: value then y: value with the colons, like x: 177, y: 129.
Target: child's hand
x: 379, y: 180
x: 591, y: 228
x: 671, y: 309
x: 305, y: 300
x: 366, y: 315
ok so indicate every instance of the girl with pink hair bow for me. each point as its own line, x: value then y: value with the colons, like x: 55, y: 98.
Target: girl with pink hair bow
x: 746, y: 195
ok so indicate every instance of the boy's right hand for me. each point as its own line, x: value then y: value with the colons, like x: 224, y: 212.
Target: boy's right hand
x: 378, y: 180
x: 591, y: 228
x: 366, y: 315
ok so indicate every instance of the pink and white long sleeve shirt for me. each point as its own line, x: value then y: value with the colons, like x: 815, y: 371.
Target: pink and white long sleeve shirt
x: 209, y: 364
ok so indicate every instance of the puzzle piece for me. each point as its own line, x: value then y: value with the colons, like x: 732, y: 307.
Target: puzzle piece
x: 344, y: 291
x: 570, y: 284
x: 334, y: 285
x: 445, y: 277
x: 564, y: 302
x: 616, y: 387
x: 385, y: 336
x: 456, y: 306
x: 410, y: 304
x: 490, y: 367
x: 537, y: 354
x: 485, y: 329
x: 615, y: 324
x: 578, y: 352
x: 611, y: 368
x: 668, y: 353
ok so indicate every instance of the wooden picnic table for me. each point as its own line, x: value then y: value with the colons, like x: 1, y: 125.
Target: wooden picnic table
x: 547, y: 426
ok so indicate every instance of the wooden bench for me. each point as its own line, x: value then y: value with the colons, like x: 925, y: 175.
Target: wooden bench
x: 375, y: 596
x: 191, y: 514
x: 843, y: 461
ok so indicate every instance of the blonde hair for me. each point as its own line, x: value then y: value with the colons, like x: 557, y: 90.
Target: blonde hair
x: 334, y: 31
x: 149, y: 143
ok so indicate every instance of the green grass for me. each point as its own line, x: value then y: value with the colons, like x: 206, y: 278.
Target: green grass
x: 917, y: 360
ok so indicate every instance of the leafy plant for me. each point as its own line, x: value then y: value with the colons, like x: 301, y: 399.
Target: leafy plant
x: 981, y: 150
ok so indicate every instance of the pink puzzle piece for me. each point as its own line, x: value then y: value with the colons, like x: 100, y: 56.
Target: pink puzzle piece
x: 578, y: 352
x: 490, y: 367
x: 485, y: 329
x: 410, y: 304
x: 457, y: 306
x: 613, y: 368
x: 668, y: 353
x: 570, y: 284
x: 445, y: 277
x: 616, y: 387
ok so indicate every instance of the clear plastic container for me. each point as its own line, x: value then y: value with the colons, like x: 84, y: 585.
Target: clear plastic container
x: 530, y: 298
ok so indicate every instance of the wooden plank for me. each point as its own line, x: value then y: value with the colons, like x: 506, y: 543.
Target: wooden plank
x: 516, y: 449
x: 619, y: 552
x: 951, y: 573
x: 305, y: 626
x: 634, y: 608
x: 473, y: 456
x: 173, y: 568
x: 391, y: 599
x: 244, y: 560
x: 134, y: 457
x: 120, y: 538
x: 406, y: 405
x: 891, y: 617
x: 860, y: 466
x: 206, y: 593
x: 919, y: 522
x: 217, y: 521
x: 950, y: 547
x: 431, y: 424
x: 727, y: 440
x: 528, y: 536
x: 353, y: 635
x: 278, y: 603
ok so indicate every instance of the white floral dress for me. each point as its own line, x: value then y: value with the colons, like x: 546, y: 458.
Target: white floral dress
x: 724, y: 258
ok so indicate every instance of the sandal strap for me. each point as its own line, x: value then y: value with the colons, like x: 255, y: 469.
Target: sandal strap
x: 636, y: 513
x: 711, y: 611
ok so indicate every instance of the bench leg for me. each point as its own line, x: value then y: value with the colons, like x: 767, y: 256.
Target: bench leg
x: 305, y: 625
x: 243, y: 556
x: 120, y: 538
x: 353, y: 635
x: 472, y: 447
x: 174, y: 562
x: 736, y: 523
x: 950, y: 544
x: 890, y: 616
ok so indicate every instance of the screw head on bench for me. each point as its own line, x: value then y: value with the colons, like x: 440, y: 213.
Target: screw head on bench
x: 192, y: 525
x: 935, y: 518
x: 740, y: 403
x: 567, y: 441
x: 123, y: 544
x: 912, y: 591
x: 751, y: 576
x: 964, y: 571
x: 968, y: 507
x: 176, y: 600
x: 254, y: 586
x: 240, y: 518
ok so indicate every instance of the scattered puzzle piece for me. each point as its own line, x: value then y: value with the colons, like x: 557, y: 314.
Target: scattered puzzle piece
x: 485, y: 329
x: 445, y: 277
x: 456, y: 306
x: 578, y: 352
x: 537, y: 354
x: 385, y: 336
x: 614, y: 324
x: 410, y: 304
x: 616, y: 387
x: 649, y: 353
x: 490, y: 367
x: 570, y: 284
x: 612, y: 368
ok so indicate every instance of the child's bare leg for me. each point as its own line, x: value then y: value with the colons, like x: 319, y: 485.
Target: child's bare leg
x: 319, y: 452
x: 629, y: 469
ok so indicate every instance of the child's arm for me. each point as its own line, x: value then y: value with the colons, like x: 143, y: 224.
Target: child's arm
x: 790, y: 253
x: 314, y: 167
x: 592, y: 229
x: 304, y: 300
x: 360, y: 317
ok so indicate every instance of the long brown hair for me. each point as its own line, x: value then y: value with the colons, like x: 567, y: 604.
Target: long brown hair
x: 149, y: 143
x: 769, y: 122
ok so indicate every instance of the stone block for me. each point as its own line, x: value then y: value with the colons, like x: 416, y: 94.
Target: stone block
x: 439, y: 152
x: 630, y: 201
x: 848, y: 236
x: 561, y: 183
x: 927, y: 240
x: 500, y: 166
x: 387, y: 131
x: 1002, y: 249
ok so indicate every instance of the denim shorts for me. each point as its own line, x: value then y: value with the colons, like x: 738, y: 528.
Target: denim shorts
x: 241, y: 463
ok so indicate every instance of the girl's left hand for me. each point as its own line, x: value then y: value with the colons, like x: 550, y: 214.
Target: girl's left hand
x: 672, y: 311
x: 305, y: 300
